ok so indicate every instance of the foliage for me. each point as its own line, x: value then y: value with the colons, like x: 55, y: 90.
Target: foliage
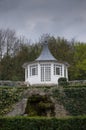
x: 8, y: 97
x: 73, y: 99
x: 76, y: 86
x: 15, y: 51
x: 77, y: 70
x: 62, y: 82
x: 39, y: 105
x: 37, y: 123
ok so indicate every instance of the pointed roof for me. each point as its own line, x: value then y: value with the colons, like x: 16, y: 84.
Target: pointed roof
x: 46, y: 54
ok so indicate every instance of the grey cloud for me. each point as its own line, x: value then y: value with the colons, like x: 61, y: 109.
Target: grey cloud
x: 8, y: 5
x: 34, y: 17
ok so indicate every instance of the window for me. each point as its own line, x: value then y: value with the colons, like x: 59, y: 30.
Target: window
x: 33, y: 70
x: 42, y: 73
x: 57, y: 69
x: 45, y: 72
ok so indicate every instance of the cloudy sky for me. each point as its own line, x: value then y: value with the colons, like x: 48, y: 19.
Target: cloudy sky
x: 32, y: 18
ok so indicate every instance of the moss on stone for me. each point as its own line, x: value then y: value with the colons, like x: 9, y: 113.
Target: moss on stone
x: 38, y: 105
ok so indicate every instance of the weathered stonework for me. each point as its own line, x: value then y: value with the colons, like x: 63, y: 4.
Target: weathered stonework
x: 19, y: 108
x: 12, y: 83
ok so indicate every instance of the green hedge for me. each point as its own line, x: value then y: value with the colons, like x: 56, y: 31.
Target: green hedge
x: 73, y: 100
x: 62, y: 82
x: 9, y: 96
x: 75, y: 86
x: 37, y: 123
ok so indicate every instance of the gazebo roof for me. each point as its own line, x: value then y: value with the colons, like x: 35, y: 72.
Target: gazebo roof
x: 46, y: 54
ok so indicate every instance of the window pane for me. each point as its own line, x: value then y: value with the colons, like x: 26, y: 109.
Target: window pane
x: 45, y: 72
x: 57, y: 69
x: 42, y: 73
x: 64, y: 71
x: 33, y: 70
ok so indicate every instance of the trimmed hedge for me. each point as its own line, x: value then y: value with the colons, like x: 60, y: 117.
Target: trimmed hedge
x: 37, y: 123
x: 62, y: 82
x: 75, y: 86
x: 73, y: 100
x: 9, y: 96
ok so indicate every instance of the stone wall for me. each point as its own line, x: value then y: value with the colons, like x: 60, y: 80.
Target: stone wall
x: 77, y: 82
x: 19, y: 108
x: 12, y: 83
x: 22, y: 83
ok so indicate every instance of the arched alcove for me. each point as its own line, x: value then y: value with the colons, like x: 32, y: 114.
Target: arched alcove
x: 39, y: 105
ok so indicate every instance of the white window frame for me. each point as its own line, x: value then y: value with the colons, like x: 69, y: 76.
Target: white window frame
x: 45, y: 72
x: 59, y: 71
x: 65, y: 75
x: 33, y: 70
x: 26, y: 73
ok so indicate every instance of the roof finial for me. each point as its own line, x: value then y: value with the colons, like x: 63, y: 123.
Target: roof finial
x: 45, y: 54
x: 45, y: 38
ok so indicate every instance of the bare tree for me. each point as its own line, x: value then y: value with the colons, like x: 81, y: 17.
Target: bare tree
x: 2, y: 43
x: 10, y: 38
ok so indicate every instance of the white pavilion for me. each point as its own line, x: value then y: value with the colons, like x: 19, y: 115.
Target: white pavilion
x: 45, y: 70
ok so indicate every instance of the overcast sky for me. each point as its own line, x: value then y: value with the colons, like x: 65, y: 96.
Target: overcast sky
x: 32, y: 18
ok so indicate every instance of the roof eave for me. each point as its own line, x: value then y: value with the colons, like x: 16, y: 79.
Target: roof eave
x: 38, y: 61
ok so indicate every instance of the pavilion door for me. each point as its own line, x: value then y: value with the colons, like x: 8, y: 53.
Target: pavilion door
x: 45, y: 72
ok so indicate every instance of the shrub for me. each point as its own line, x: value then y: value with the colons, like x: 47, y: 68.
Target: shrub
x: 62, y: 82
x: 9, y: 96
x: 73, y: 100
x: 37, y: 123
x: 39, y: 105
